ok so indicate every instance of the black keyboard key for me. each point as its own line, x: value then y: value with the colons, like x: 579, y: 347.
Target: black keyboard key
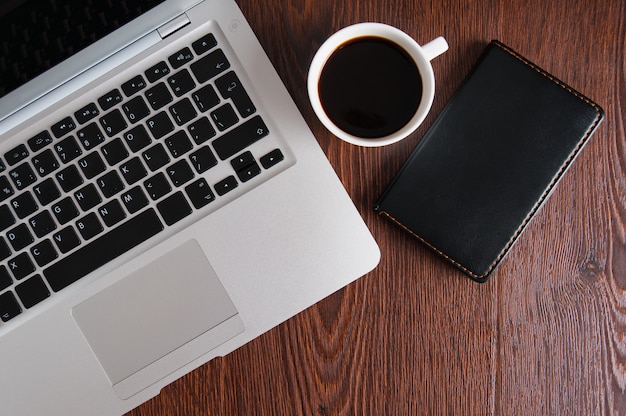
x: 5, y: 188
x: 19, y: 237
x: 6, y: 217
x: 249, y: 172
x: 42, y: 224
x: 89, y: 226
x: 24, y: 204
x: 137, y: 138
x: 90, y: 136
x: 158, y: 96
x: 210, y: 66
x: 183, y: 111
x: 69, y: 178
x: 9, y: 308
x: 226, y: 185
x: 44, y: 253
x: 224, y: 117
x: 200, y: 193
x: 113, y: 123
x: 63, y: 127
x: 156, y: 157
x: 39, y: 141
x: 157, y: 186
x: 5, y: 278
x: 206, y: 98
x: 178, y: 144
x: 86, y: 113
x: 181, y: 82
x: 111, y: 213
x: 203, y: 159
x: 46, y: 191
x: 87, y: 197
x: 109, y: 99
x: 45, y: 162
x: 103, y: 249
x: 272, y: 158
x: 201, y: 130
x: 180, y: 58
x: 133, y: 170
x: 240, y: 137
x: 245, y: 166
x: 204, y: 44
x: 66, y: 239
x: 242, y: 161
x: 134, y: 199
x: 133, y: 85
x: 174, y: 208
x: 160, y: 125
x: 92, y: 165
x: 180, y: 173
x: 157, y: 71
x: 16, y: 154
x: 5, y: 251
x: 32, y: 291
x: 22, y: 176
x: 114, y: 152
x: 230, y: 87
x: 65, y: 210
x: 110, y: 184
x: 21, y: 266
x: 68, y: 149
x: 136, y: 109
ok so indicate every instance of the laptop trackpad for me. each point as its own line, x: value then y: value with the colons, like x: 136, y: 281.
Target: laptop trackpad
x: 141, y: 327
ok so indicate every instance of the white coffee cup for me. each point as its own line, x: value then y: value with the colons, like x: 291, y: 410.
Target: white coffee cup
x: 421, y: 57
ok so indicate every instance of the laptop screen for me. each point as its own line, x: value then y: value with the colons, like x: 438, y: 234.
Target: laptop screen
x: 35, y: 35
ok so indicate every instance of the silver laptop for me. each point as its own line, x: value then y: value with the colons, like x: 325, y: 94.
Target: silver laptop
x: 162, y: 201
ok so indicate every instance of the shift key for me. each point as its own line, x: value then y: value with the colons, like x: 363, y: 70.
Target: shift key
x: 240, y: 137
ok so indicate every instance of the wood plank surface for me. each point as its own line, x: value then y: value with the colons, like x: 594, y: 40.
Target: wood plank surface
x: 545, y: 335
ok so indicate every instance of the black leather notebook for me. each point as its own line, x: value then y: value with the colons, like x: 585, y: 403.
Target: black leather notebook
x: 490, y: 160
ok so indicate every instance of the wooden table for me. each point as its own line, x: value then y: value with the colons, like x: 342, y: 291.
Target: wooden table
x: 545, y: 335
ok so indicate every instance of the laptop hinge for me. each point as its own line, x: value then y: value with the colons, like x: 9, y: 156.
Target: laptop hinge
x: 173, y: 25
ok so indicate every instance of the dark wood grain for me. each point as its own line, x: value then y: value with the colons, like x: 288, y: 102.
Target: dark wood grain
x: 545, y: 335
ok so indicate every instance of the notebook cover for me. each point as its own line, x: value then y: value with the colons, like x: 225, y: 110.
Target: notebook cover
x: 490, y: 160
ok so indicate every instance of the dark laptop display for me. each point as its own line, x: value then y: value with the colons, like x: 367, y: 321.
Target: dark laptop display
x: 35, y: 35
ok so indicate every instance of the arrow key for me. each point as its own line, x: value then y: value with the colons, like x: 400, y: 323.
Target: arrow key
x: 272, y: 158
x: 225, y: 185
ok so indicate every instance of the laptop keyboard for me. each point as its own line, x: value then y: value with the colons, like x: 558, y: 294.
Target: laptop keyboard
x: 120, y: 170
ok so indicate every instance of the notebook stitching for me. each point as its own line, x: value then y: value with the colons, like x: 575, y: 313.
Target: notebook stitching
x: 548, y: 188
x: 564, y: 167
x: 441, y: 253
x: 553, y: 79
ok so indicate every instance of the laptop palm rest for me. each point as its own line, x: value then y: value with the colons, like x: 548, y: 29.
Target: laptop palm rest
x: 145, y: 326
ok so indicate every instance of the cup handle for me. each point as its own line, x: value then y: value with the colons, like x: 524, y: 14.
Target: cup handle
x: 435, y: 47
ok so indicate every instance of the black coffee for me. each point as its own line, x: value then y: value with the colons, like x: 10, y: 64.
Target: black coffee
x: 370, y: 87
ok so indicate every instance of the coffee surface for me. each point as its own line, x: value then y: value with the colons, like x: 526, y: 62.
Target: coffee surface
x: 370, y: 87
